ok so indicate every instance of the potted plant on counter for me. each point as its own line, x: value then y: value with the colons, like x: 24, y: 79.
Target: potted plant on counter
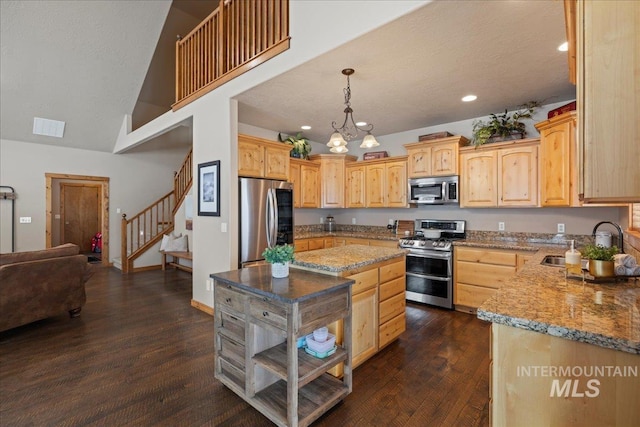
x: 600, y: 260
x: 279, y: 257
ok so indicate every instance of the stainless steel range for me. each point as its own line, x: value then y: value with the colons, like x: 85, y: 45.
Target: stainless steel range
x: 430, y: 261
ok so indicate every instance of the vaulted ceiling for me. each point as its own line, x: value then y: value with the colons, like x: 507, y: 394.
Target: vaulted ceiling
x: 90, y: 63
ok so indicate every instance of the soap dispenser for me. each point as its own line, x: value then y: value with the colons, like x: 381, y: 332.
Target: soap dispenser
x: 572, y: 260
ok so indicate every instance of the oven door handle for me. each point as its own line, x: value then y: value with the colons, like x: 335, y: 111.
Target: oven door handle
x: 426, y: 276
x: 436, y: 255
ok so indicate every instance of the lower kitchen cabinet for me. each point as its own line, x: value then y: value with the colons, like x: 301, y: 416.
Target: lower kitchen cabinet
x: 480, y: 272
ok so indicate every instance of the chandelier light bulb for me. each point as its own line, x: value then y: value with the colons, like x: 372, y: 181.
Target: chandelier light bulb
x: 336, y: 140
x: 369, y: 141
x: 339, y: 149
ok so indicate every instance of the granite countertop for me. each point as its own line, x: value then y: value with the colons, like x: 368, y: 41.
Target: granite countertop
x: 388, y: 235
x: 300, y: 285
x: 541, y: 299
x: 342, y: 258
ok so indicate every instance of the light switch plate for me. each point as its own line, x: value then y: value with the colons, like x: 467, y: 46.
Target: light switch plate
x: 25, y: 220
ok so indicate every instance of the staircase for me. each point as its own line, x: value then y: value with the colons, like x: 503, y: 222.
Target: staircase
x: 142, y: 231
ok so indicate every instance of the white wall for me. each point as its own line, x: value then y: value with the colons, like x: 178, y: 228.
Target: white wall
x: 136, y: 180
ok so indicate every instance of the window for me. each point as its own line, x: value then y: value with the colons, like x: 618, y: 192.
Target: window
x: 635, y: 217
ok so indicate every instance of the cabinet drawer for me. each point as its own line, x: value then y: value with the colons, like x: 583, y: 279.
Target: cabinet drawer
x: 328, y: 243
x: 486, y: 256
x: 231, y: 373
x: 392, y: 288
x: 472, y: 296
x: 231, y: 326
x: 316, y: 244
x: 391, y: 271
x: 392, y: 307
x: 231, y: 351
x: 268, y: 312
x: 392, y: 330
x: 320, y: 311
x: 365, y: 280
x: 300, y: 245
x: 228, y: 297
x: 491, y: 276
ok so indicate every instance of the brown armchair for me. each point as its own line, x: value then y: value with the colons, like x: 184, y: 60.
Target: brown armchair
x: 39, y: 284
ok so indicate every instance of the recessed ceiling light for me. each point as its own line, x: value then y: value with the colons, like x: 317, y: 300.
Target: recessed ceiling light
x: 469, y: 98
x: 305, y: 127
x: 361, y: 124
x: 564, y: 47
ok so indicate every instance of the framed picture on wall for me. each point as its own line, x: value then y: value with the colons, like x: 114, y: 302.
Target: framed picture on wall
x: 209, y: 188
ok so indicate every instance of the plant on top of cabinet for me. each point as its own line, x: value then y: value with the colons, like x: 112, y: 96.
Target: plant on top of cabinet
x: 504, y: 126
x: 301, y: 147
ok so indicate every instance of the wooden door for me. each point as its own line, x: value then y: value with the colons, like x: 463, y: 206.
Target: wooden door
x: 364, y: 327
x: 518, y: 176
x: 309, y: 186
x: 556, y: 160
x: 396, y: 183
x: 80, y: 207
x: 276, y: 162
x: 355, y: 191
x: 444, y: 159
x: 376, y: 187
x: 332, y: 173
x: 294, y: 178
x: 250, y: 159
x: 419, y: 162
x: 478, y: 179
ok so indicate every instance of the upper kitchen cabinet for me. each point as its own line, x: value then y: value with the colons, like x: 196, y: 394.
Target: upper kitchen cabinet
x: 503, y: 174
x: 380, y: 183
x: 305, y: 177
x: 356, y: 185
x: 438, y: 157
x: 332, y: 178
x: 558, y: 160
x: 608, y: 94
x: 261, y: 158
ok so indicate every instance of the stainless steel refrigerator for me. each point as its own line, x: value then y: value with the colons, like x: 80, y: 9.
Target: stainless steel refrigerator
x: 266, y: 217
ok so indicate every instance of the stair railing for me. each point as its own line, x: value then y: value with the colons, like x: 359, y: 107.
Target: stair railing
x: 182, y: 180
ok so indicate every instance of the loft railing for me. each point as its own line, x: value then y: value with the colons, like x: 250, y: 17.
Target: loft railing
x: 237, y: 36
x: 182, y: 180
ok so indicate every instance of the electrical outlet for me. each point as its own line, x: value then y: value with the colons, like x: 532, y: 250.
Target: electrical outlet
x: 209, y: 284
x: 223, y: 227
x: 27, y: 220
x: 321, y: 220
x: 501, y: 226
x: 353, y: 220
x: 560, y: 228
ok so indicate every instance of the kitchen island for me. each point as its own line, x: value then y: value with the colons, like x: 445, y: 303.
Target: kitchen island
x: 563, y: 351
x: 258, y: 321
x: 378, y: 293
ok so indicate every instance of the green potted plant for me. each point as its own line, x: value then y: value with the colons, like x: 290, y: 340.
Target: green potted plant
x: 600, y: 259
x: 279, y: 257
x: 504, y: 126
x: 301, y: 146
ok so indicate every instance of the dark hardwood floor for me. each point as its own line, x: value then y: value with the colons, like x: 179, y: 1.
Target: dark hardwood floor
x: 139, y: 354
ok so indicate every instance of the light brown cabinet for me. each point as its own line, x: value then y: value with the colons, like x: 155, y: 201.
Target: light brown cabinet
x: 434, y: 158
x: 379, y: 183
x: 356, y: 185
x: 500, y: 175
x: 480, y: 272
x: 607, y: 99
x: 305, y: 176
x: 558, y: 161
x: 332, y: 178
x: 261, y: 158
x: 303, y: 245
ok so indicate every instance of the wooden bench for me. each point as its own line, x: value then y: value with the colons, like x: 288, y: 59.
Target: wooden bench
x: 175, y: 262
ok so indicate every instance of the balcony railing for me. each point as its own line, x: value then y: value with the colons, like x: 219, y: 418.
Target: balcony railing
x: 237, y: 36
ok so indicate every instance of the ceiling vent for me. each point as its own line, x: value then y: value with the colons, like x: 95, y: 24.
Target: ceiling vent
x: 48, y: 127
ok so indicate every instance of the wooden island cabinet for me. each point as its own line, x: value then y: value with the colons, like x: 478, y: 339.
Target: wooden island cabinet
x: 258, y: 321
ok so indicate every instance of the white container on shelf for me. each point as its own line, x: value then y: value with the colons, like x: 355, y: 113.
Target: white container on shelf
x: 321, y: 347
x: 321, y: 334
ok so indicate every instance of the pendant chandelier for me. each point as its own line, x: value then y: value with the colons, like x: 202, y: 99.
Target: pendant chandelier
x: 349, y: 128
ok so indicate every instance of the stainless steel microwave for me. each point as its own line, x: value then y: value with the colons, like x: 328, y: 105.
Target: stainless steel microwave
x: 439, y: 190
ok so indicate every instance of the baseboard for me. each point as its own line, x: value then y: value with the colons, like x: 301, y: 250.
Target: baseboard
x: 146, y: 268
x: 202, y: 307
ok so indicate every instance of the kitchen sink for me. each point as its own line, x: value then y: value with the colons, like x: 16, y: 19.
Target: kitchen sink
x: 558, y: 261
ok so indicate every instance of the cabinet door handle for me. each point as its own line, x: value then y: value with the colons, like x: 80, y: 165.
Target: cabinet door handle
x: 265, y: 313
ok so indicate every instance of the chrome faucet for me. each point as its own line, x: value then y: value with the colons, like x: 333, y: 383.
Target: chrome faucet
x: 620, y: 235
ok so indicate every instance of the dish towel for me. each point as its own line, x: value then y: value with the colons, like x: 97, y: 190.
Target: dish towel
x: 625, y: 265
x: 625, y: 259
